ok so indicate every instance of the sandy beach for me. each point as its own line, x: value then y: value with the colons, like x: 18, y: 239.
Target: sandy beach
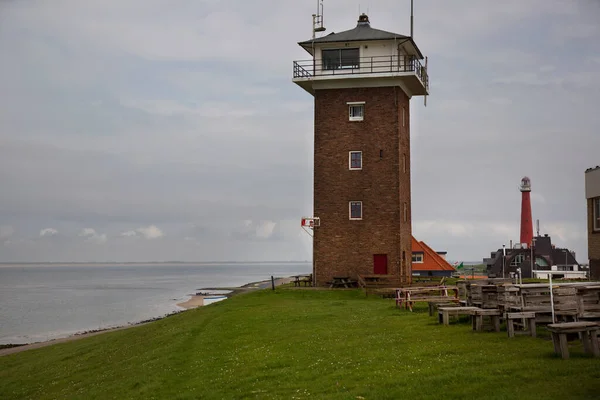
x: 195, y: 301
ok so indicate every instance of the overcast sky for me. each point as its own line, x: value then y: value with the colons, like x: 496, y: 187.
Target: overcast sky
x: 138, y: 130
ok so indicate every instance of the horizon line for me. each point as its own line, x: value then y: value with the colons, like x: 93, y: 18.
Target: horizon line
x: 150, y: 262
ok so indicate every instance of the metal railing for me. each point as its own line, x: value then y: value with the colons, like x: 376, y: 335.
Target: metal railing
x: 362, y: 65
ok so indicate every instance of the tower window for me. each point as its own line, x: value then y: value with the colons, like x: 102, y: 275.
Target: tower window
x: 403, y: 116
x: 405, y: 212
x: 404, y: 163
x: 355, y: 160
x: 596, y: 213
x: 356, y: 110
x: 340, y: 58
x: 356, y: 210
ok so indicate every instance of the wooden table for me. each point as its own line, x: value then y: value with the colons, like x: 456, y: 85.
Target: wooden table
x: 477, y: 318
x: 588, y: 298
x: 305, y: 279
x: 528, y: 318
x: 444, y: 313
x: 434, y: 305
x: 413, y: 294
x: 588, y: 332
x: 341, y: 281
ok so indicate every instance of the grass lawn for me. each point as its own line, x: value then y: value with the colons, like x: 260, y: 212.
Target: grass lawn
x: 300, y: 344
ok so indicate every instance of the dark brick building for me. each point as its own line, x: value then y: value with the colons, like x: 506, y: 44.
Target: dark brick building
x: 592, y: 195
x: 362, y: 81
x: 546, y: 256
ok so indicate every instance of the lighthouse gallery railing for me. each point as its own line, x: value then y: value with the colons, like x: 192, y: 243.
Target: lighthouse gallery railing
x: 361, y: 66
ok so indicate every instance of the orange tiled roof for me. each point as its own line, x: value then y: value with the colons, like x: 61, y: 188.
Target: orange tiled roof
x: 432, y: 261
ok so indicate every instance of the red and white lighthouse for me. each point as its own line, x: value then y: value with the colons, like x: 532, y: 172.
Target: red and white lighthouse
x: 526, y: 220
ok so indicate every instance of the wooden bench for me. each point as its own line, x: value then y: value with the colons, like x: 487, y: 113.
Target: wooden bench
x: 434, y: 305
x: 303, y: 279
x: 444, y: 313
x: 527, y: 318
x: 477, y: 318
x: 306, y: 280
x: 410, y: 295
x: 588, y: 332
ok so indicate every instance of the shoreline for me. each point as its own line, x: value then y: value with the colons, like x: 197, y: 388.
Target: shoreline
x: 195, y: 301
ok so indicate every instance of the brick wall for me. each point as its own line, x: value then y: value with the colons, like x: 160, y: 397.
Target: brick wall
x: 593, y: 244
x: 344, y: 247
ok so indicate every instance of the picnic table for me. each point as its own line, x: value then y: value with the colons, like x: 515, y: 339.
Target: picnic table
x: 410, y: 295
x: 342, y: 281
x: 302, y: 279
x: 588, y: 332
x: 444, y: 313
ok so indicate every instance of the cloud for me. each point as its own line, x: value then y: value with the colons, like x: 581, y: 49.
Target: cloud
x: 259, y: 230
x: 129, y: 234
x: 537, y: 198
x: 48, y: 232
x: 6, y: 231
x: 501, y: 101
x: 150, y: 232
x: 566, y: 232
x: 527, y: 78
x: 452, y: 228
x: 147, y: 232
x: 185, y: 118
x: 265, y: 229
x: 92, y: 236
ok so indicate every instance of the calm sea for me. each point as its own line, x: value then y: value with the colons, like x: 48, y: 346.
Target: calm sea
x: 39, y: 303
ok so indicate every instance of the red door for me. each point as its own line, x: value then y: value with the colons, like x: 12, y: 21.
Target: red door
x: 380, y: 264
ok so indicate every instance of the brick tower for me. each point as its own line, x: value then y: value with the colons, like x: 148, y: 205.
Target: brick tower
x: 526, y: 221
x: 362, y: 81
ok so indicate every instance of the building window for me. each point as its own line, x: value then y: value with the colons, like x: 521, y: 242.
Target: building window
x: 340, y: 58
x: 541, y: 261
x: 403, y: 116
x: 519, y: 258
x: 405, y: 212
x: 355, y: 160
x: 596, y: 213
x: 417, y: 257
x: 404, y: 163
x: 356, y: 110
x: 356, y: 210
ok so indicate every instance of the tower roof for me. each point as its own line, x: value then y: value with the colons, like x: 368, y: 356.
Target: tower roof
x: 361, y: 33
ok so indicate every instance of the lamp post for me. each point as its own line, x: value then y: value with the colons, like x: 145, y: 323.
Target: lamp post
x: 532, y: 256
x: 503, y: 258
x: 551, y: 297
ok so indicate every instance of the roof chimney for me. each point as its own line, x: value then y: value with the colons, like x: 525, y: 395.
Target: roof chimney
x: 363, y: 19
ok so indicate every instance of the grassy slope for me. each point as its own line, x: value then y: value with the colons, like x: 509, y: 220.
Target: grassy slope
x: 299, y: 344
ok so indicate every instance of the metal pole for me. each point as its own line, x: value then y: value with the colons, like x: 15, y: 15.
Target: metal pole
x: 531, y: 259
x: 411, y: 19
x: 551, y: 296
x: 503, y: 258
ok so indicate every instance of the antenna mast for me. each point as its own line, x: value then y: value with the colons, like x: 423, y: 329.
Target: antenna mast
x: 318, y: 19
x: 412, y: 22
